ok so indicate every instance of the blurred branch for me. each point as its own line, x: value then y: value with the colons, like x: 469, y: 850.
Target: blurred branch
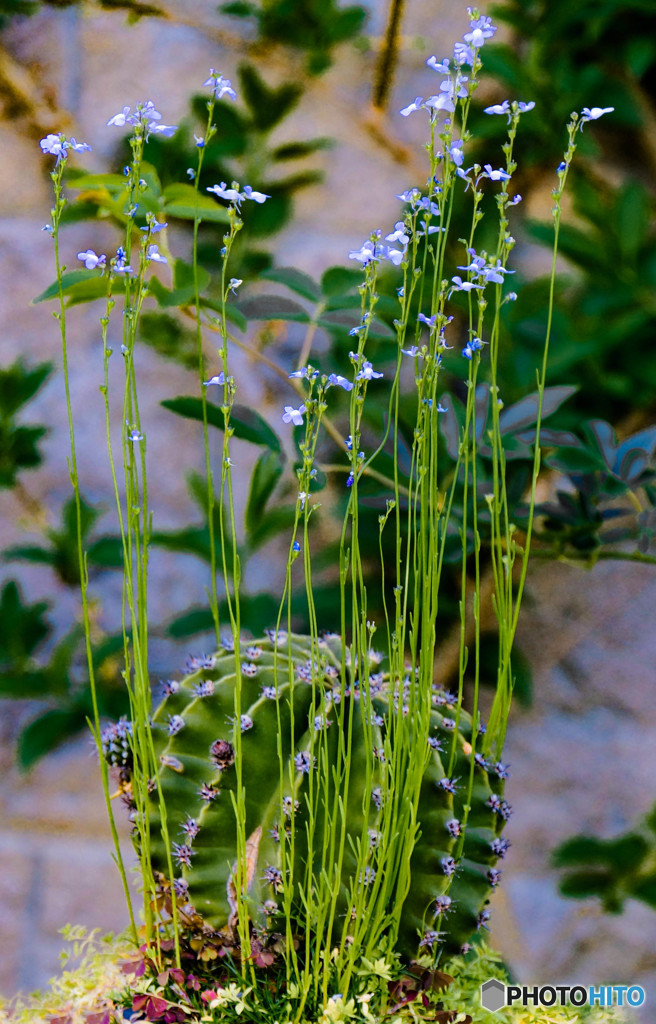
x: 388, y: 55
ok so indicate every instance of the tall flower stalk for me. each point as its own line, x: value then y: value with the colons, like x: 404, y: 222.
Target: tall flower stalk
x: 442, y: 306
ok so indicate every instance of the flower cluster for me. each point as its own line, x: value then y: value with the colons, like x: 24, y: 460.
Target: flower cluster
x: 145, y: 120
x: 234, y: 196
x: 58, y: 145
x: 372, y: 251
x: 220, y: 86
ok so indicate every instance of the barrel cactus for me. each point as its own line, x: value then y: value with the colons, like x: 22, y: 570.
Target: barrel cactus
x: 291, y: 692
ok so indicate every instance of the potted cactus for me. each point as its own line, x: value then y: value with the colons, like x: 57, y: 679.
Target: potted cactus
x: 318, y: 823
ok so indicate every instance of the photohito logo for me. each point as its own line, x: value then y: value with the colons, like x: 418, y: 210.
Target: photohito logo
x: 496, y: 994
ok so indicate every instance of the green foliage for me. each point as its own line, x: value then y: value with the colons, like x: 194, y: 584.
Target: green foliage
x: 22, y: 628
x: 315, y: 26
x: 19, y: 444
x: 59, y: 684
x: 60, y: 549
x: 612, y: 870
x: 245, y: 423
x: 609, y: 310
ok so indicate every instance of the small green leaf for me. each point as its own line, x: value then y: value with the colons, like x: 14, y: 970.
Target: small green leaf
x: 19, y: 383
x: 297, y: 150
x: 46, y: 733
x: 267, y: 106
x: 580, y: 884
x: 22, y: 626
x: 112, y: 182
x: 166, y: 335
x: 106, y: 553
x: 247, y: 424
x: 645, y: 889
x: 239, y: 9
x: 70, y: 279
x: 339, y: 280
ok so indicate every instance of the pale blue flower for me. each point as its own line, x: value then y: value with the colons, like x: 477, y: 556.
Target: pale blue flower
x: 442, y: 67
x: 498, y: 108
x: 91, y: 260
x: 295, y: 416
x: 154, y: 226
x: 79, y: 147
x: 134, y: 436
x: 366, y: 253
x: 498, y: 175
x: 218, y: 378
x: 119, y: 263
x: 162, y: 129
x: 339, y: 381
x: 399, y: 234
x: 463, y: 286
x: 154, y: 255
x: 442, y: 102
x: 367, y: 372
x: 412, y: 351
x: 456, y: 153
x: 234, y: 283
x: 428, y: 320
x: 257, y: 197
x: 220, y: 86
x: 507, y: 108
x: 593, y: 113
x: 463, y: 54
x: 481, y: 29
x: 475, y: 345
x: 199, y: 141
x: 232, y: 195
x: 119, y: 120
x: 395, y: 256
x: 429, y: 206
x: 411, y: 195
x: 147, y: 111
x: 417, y: 104
x: 54, y: 144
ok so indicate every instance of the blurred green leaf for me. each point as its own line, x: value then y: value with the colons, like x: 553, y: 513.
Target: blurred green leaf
x: 46, y: 733
x: 273, y: 307
x: 246, y: 424
x: 266, y: 474
x: 295, y: 280
x: 22, y: 626
x: 267, y: 106
x: 183, y: 202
